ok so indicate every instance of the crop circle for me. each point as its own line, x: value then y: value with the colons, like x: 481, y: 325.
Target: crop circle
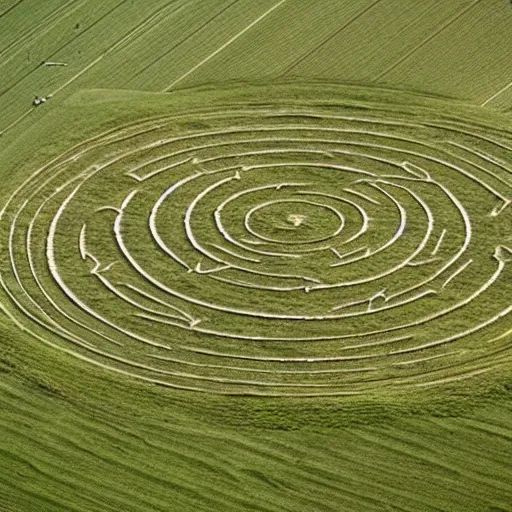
x: 301, y: 251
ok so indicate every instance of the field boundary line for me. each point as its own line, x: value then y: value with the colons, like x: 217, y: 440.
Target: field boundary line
x: 330, y: 37
x: 225, y: 45
x: 426, y: 40
x: 494, y: 96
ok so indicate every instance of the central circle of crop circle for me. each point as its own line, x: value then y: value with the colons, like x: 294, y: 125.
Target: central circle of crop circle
x: 294, y: 221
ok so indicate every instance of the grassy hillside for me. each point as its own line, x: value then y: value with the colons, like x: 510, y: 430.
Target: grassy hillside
x: 286, y: 295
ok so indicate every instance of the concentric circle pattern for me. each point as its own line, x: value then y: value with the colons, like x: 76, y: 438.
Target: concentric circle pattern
x: 304, y: 251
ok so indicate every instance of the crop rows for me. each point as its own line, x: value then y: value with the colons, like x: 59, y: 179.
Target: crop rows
x: 279, y: 252
x: 173, y: 45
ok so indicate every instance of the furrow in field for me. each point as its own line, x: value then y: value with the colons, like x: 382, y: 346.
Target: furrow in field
x: 184, y: 40
x: 223, y: 46
x: 7, y: 10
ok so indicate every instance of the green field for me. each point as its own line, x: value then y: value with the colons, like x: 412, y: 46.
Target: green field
x: 255, y: 255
